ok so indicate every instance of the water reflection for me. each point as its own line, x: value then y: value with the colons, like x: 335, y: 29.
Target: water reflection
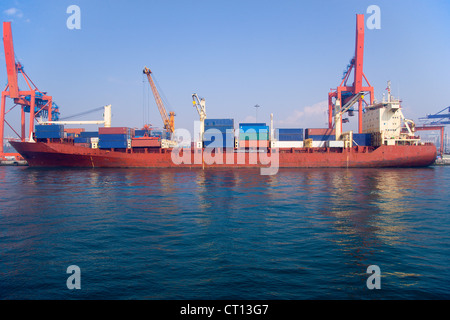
x: 220, y: 231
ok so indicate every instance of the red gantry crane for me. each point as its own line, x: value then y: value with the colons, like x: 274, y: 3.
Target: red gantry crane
x: 168, y: 120
x: 346, y: 95
x: 436, y: 122
x: 32, y: 101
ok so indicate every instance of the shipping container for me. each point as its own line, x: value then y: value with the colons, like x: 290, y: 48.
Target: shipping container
x: 287, y: 134
x: 289, y: 131
x: 49, y: 128
x: 287, y: 144
x: 113, y: 144
x: 161, y: 134
x: 319, y: 144
x: 254, y: 144
x: 362, y: 139
x: 225, y: 140
x: 142, y: 133
x: 49, y: 135
x: 53, y: 131
x: 254, y: 133
x: 146, y: 142
x: 335, y: 144
x: 76, y: 131
x: 253, y: 136
x: 289, y: 137
x: 252, y: 125
x: 319, y: 132
x: 114, y: 137
x: 89, y: 134
x: 116, y: 130
x: 322, y: 137
x: 82, y: 140
x: 223, y: 129
x: 219, y: 123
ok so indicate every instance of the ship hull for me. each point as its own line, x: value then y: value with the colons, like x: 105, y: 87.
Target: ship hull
x: 49, y: 154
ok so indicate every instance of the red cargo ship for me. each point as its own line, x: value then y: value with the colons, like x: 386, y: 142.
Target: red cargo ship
x: 66, y: 154
x: 391, y: 145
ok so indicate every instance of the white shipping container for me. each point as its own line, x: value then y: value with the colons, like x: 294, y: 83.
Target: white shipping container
x: 319, y: 144
x: 287, y: 144
x: 335, y: 144
x: 94, y: 140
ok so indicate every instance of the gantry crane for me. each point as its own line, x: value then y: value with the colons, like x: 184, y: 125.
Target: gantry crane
x: 168, y: 120
x: 348, y: 93
x: 436, y: 122
x: 32, y: 101
x: 200, y: 105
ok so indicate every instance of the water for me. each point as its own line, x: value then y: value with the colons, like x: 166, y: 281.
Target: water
x: 224, y: 234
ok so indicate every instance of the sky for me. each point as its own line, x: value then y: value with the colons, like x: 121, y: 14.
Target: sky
x: 284, y: 56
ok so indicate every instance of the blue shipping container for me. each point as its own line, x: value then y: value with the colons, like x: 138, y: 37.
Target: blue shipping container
x: 226, y: 142
x: 49, y: 128
x: 141, y: 133
x: 322, y: 137
x: 289, y: 137
x: 89, y: 134
x: 289, y: 131
x: 219, y: 122
x: 251, y: 125
x: 223, y: 129
x: 114, y: 137
x: 161, y: 134
x: 263, y: 130
x: 82, y: 140
x: 362, y: 139
x: 112, y: 144
x: 50, y: 135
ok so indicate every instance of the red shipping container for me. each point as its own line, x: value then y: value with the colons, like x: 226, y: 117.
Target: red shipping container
x: 146, y: 142
x: 320, y: 132
x: 253, y: 144
x: 114, y: 130
x: 75, y: 131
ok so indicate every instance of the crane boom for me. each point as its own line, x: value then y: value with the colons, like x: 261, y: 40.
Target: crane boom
x: 11, y: 66
x: 168, y: 120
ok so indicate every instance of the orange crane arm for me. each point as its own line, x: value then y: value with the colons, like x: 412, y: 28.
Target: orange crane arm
x: 168, y: 122
x: 11, y: 67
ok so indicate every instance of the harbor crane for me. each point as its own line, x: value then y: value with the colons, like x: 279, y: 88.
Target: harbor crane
x: 33, y: 101
x: 168, y: 120
x: 345, y: 93
x: 200, y: 105
x: 436, y: 122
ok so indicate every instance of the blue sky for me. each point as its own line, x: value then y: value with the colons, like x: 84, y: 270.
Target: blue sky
x: 282, y: 55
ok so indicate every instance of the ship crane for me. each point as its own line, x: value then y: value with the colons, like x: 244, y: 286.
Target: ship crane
x: 106, y: 118
x: 200, y: 105
x: 168, y: 120
x: 338, y: 111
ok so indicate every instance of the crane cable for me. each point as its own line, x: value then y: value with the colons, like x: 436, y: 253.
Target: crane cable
x: 162, y: 95
x: 82, y: 113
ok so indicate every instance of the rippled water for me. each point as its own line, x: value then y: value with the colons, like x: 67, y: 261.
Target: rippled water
x: 224, y: 234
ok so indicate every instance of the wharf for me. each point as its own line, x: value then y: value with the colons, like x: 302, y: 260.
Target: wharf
x: 445, y: 161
